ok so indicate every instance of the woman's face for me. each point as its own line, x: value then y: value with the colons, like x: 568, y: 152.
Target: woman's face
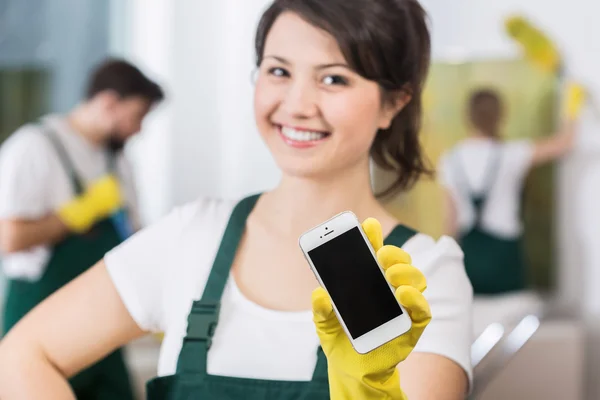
x: 315, y: 114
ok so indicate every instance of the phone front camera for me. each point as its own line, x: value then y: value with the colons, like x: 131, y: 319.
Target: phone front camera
x: 325, y: 228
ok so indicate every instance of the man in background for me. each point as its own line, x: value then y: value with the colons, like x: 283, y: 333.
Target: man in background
x: 67, y: 198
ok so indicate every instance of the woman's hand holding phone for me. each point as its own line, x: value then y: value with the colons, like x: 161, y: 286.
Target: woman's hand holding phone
x: 373, y: 375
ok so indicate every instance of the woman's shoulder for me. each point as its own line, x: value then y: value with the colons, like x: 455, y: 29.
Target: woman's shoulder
x: 450, y: 297
x: 174, y: 255
x: 430, y: 255
x: 203, y: 206
x: 204, y: 210
x: 422, y: 243
x: 427, y: 253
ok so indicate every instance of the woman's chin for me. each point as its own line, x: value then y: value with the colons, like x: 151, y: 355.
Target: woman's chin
x: 306, y: 169
x: 302, y: 171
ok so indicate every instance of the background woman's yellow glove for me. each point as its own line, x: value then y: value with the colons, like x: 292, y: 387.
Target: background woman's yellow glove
x: 542, y: 52
x: 101, y: 199
x: 574, y: 100
x: 536, y: 45
x: 373, y: 375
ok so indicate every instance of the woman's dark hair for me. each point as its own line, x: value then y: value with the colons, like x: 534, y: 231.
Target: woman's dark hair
x: 485, y: 111
x: 386, y: 41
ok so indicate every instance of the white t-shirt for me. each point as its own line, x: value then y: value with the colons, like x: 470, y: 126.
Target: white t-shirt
x: 161, y: 270
x: 34, y: 183
x: 501, y: 211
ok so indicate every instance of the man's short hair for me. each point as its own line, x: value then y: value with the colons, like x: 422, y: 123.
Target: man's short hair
x: 124, y: 79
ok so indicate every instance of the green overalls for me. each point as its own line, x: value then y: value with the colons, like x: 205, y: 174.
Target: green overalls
x: 494, y: 264
x: 191, y: 380
x: 108, y: 379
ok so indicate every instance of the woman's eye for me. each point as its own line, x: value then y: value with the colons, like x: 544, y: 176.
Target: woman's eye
x: 335, y: 80
x: 278, y: 72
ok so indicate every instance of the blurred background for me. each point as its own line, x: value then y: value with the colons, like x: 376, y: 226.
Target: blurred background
x: 202, y: 53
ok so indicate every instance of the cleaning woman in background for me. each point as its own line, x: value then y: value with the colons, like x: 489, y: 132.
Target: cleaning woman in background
x: 484, y: 177
x: 338, y: 83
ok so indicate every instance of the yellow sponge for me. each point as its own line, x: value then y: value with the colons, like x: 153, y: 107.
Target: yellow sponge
x: 536, y: 45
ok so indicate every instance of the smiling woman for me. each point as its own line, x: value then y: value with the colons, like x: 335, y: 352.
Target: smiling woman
x: 350, y: 83
x: 339, y: 82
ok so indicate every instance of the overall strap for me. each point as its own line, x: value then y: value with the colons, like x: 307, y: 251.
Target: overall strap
x: 478, y: 200
x: 320, y: 373
x: 64, y: 158
x: 226, y: 254
x: 204, y: 315
x: 492, y: 172
x: 111, y: 162
x: 400, y: 235
x: 67, y: 163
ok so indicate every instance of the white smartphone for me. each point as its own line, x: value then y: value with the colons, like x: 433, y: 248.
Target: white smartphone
x: 345, y: 264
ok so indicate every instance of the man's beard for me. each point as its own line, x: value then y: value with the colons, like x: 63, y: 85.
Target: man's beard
x: 115, y: 144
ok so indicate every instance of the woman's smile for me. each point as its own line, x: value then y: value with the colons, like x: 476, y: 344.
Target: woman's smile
x: 301, y: 138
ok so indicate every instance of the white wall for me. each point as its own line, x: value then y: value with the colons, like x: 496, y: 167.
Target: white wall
x: 216, y: 136
x: 475, y: 26
x: 146, y: 37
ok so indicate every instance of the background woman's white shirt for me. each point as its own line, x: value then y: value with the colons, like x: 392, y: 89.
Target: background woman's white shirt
x: 162, y: 269
x: 501, y: 212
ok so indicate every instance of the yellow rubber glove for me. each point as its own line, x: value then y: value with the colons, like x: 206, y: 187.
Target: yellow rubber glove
x: 574, y: 100
x: 537, y: 46
x: 373, y: 375
x: 102, y: 198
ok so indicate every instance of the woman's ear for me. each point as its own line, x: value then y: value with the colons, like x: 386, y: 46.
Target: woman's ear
x: 394, y: 103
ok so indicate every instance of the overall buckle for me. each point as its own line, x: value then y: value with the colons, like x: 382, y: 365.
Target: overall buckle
x: 202, y: 322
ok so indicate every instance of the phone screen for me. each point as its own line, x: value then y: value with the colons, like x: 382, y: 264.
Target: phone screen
x: 355, y: 283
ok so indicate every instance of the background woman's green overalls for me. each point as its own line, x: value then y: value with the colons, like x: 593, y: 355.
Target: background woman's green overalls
x: 494, y: 264
x: 109, y: 378
x: 191, y: 380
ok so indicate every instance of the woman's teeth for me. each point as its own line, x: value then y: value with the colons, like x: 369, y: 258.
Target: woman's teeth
x: 301, y: 136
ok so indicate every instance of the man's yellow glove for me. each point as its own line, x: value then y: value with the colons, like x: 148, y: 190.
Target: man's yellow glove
x: 101, y: 199
x: 373, y: 375
x: 536, y: 45
x: 574, y: 100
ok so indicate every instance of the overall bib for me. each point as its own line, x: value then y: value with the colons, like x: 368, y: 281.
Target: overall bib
x: 494, y: 264
x: 191, y: 380
x: 108, y: 379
